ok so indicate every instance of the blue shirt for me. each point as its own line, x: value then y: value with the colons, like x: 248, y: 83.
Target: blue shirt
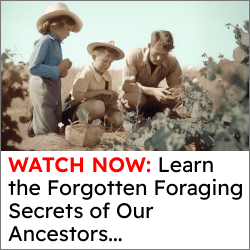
x: 46, y: 56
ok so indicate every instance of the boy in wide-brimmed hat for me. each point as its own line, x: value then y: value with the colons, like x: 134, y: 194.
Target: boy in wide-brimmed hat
x: 47, y: 67
x: 92, y: 87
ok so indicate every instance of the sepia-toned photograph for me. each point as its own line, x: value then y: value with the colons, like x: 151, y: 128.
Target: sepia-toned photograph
x: 125, y: 76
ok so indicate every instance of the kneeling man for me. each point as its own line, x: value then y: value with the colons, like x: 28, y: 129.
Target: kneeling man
x: 144, y: 69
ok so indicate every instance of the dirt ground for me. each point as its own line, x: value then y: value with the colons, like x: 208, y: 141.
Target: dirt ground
x: 56, y: 142
x: 52, y: 141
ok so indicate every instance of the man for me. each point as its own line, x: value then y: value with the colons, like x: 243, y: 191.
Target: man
x: 144, y: 69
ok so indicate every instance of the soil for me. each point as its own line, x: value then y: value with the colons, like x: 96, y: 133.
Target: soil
x: 53, y: 141
x: 57, y: 142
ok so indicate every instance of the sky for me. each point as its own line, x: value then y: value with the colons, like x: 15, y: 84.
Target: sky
x: 197, y: 27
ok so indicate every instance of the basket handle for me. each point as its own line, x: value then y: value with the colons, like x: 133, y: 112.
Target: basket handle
x: 72, y: 123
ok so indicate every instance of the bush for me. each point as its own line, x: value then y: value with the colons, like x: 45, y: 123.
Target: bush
x: 13, y: 78
x: 221, y: 119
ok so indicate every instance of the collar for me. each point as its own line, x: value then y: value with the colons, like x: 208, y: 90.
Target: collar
x: 53, y: 37
x: 165, y: 63
x: 98, y: 78
x: 145, y: 59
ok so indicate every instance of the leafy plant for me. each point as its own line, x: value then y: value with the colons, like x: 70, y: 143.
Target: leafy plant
x: 221, y: 119
x: 12, y: 78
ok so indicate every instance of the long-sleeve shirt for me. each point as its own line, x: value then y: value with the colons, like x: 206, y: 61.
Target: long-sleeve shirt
x: 46, y: 56
x: 89, y: 80
x: 137, y: 69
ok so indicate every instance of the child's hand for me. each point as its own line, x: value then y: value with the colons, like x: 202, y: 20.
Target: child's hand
x: 64, y: 65
x: 64, y: 73
x: 70, y: 65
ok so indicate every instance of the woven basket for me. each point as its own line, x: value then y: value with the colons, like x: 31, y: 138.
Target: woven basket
x: 85, y: 135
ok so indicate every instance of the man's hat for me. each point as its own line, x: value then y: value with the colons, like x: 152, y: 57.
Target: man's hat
x: 60, y: 9
x: 106, y: 43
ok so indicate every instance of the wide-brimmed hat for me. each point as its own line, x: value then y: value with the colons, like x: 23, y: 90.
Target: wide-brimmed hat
x: 60, y: 9
x: 106, y: 43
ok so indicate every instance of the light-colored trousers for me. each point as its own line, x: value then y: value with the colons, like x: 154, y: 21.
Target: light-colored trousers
x: 45, y: 95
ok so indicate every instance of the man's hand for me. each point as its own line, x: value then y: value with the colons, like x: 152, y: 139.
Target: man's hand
x: 160, y: 94
x: 109, y: 92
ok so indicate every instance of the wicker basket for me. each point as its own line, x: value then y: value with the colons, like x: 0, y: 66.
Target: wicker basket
x: 85, y: 135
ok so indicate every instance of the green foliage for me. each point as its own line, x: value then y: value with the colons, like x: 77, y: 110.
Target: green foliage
x: 230, y: 123
x: 96, y: 122
x: 221, y: 123
x: 12, y: 80
x: 83, y: 115
x: 136, y: 132
x: 227, y: 119
x: 164, y: 137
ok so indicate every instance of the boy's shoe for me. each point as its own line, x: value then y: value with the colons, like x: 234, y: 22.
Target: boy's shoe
x: 31, y: 132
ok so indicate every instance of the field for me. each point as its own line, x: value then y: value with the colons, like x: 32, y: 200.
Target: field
x: 116, y: 75
x: 19, y: 109
x: 214, y: 114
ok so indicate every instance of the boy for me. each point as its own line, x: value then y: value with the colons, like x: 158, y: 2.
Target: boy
x: 94, y: 84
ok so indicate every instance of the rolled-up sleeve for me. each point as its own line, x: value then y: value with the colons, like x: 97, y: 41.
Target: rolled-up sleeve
x: 80, y: 87
x: 174, y: 77
x: 38, y: 58
x: 130, y: 71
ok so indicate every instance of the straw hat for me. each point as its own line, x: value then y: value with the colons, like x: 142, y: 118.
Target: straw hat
x: 60, y: 9
x: 107, y: 43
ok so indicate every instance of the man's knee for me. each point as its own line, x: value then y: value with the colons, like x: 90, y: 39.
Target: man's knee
x: 133, y: 100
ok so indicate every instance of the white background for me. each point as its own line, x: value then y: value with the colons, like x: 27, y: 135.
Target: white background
x: 176, y: 222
